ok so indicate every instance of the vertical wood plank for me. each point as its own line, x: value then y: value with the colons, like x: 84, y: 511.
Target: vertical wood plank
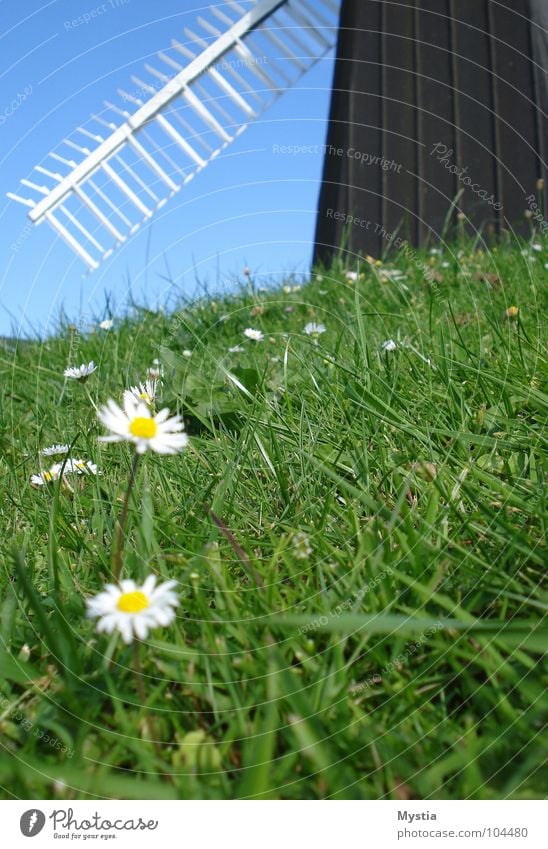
x: 399, y: 120
x: 350, y: 187
x: 437, y: 185
x: 475, y: 139
x: 517, y: 140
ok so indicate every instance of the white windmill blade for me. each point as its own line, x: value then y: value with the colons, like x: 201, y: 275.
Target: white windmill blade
x: 191, y: 103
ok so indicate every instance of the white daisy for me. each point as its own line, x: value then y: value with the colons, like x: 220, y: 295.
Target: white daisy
x: 392, y: 274
x: 301, y: 546
x: 78, y: 467
x: 145, y: 391
x: 313, y: 329
x: 136, y: 424
x: 80, y: 372
x: 133, y: 610
x: 351, y: 275
x: 256, y: 335
x: 155, y: 372
x: 388, y: 345
x: 107, y: 324
x: 187, y: 353
x: 69, y: 466
x: 54, y: 449
x: 236, y: 349
x: 43, y: 478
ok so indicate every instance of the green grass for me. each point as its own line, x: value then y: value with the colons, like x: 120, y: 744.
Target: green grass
x: 368, y: 621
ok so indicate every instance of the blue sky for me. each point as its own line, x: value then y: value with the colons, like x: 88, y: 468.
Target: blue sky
x: 250, y: 206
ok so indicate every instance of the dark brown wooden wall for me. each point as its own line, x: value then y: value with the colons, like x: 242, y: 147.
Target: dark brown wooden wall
x: 466, y: 74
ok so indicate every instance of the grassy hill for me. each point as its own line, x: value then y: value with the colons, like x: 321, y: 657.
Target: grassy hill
x: 356, y: 529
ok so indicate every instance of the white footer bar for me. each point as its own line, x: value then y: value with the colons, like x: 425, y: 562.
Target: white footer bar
x: 275, y: 824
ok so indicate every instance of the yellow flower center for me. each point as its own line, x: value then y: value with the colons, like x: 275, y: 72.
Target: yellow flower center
x: 132, y: 602
x: 145, y: 428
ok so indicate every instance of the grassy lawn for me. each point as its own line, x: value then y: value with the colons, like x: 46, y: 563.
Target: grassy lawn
x: 356, y: 533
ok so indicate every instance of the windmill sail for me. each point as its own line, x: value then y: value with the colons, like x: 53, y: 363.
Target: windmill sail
x: 114, y: 173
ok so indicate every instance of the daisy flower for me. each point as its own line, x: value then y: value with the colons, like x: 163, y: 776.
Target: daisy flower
x: 54, y: 449
x: 106, y: 324
x: 155, y: 372
x: 388, y: 345
x: 68, y: 467
x: 79, y: 467
x: 301, y: 546
x: 236, y: 349
x: 43, y: 478
x: 144, y: 392
x: 352, y: 276
x: 133, y: 610
x: 135, y: 423
x: 256, y: 335
x: 392, y: 274
x: 80, y: 372
x: 313, y: 329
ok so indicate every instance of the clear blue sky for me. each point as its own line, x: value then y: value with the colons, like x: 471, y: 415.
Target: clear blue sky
x: 251, y: 206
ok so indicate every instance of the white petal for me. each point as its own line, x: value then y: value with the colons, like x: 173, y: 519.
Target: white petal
x: 161, y: 416
x: 161, y: 589
x: 124, y: 626
x: 140, y: 627
x: 148, y: 586
x: 165, y: 616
